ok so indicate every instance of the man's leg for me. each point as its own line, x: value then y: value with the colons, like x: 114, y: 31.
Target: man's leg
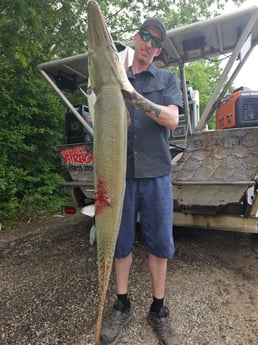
x: 158, y: 316
x: 158, y: 271
x: 121, y: 313
x: 122, y: 270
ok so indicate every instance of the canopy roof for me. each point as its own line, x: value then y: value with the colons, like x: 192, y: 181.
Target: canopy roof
x: 211, y: 37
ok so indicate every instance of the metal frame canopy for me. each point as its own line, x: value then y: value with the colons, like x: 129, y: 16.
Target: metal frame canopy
x: 235, y: 34
x: 211, y: 37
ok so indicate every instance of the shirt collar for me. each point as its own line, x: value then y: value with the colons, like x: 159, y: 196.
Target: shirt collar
x: 152, y: 69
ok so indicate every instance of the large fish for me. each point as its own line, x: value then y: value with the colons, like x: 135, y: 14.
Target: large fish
x: 108, y: 79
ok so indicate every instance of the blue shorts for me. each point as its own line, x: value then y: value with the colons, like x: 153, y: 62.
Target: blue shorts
x: 152, y: 198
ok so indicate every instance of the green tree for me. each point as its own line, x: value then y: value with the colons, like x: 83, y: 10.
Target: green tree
x: 203, y: 76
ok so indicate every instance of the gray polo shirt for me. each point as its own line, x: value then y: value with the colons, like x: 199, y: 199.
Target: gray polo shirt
x: 148, y: 149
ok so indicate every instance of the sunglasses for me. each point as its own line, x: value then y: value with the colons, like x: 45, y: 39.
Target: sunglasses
x: 146, y: 36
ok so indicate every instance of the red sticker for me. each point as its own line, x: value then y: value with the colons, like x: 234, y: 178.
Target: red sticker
x: 77, y: 155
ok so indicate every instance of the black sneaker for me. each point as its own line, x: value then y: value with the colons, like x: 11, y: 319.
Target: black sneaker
x: 119, y: 318
x: 160, y: 322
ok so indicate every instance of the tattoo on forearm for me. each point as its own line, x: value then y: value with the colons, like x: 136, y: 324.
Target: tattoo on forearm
x: 145, y: 104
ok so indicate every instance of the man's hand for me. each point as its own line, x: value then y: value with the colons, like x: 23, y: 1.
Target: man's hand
x: 128, y: 96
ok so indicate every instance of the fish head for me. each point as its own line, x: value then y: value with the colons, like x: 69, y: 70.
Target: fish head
x: 98, y: 34
x: 105, y: 65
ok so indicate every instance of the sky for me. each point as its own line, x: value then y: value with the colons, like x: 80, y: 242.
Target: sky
x: 248, y: 75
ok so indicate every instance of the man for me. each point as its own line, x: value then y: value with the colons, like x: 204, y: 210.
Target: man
x: 154, y: 108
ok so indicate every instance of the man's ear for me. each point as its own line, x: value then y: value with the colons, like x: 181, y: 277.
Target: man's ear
x: 158, y: 52
x: 136, y: 35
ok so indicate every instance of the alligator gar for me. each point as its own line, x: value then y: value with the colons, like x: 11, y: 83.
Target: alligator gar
x: 108, y: 79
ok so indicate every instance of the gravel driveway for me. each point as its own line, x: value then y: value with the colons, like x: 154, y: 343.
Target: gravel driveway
x: 49, y: 289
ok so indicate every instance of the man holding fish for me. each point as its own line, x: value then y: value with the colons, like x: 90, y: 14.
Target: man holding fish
x: 154, y: 108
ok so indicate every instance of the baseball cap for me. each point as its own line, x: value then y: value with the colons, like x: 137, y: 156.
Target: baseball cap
x: 158, y: 24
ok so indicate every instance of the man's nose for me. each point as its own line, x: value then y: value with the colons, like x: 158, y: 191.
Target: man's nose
x: 148, y: 43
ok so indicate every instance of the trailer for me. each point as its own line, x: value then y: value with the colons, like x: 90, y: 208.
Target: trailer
x: 215, y: 172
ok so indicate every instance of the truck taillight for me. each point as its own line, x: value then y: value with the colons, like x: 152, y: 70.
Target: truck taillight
x: 68, y: 210
x: 175, y: 204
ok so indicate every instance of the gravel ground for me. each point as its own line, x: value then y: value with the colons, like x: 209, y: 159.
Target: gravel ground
x: 49, y: 290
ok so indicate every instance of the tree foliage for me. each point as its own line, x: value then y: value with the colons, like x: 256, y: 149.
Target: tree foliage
x: 31, y: 115
x: 203, y: 76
